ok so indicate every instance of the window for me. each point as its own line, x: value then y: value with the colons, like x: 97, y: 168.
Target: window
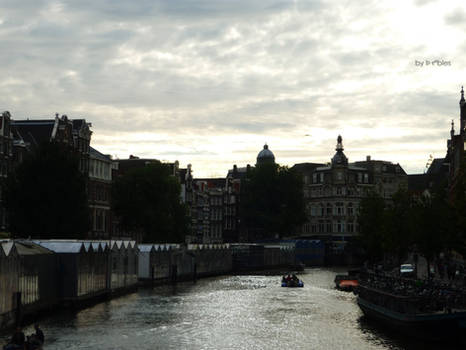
x: 321, y: 226
x: 366, y: 178
x: 340, y: 209
x: 339, y: 226
x: 350, y: 227
x: 350, y: 209
x: 322, y: 177
x: 329, y: 226
x: 339, y: 176
x: 329, y: 209
x: 359, y: 177
x: 314, y: 178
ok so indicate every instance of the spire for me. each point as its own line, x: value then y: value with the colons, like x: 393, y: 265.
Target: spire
x: 339, y: 159
x: 452, y: 131
x: 462, y: 114
x: 339, y: 144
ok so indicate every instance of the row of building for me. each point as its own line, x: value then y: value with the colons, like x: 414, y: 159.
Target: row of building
x: 19, y: 137
x: 332, y: 190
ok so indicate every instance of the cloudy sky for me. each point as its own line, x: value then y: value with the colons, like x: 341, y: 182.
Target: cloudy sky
x: 209, y: 82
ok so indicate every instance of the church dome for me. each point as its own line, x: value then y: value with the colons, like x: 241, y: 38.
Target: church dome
x: 265, y: 156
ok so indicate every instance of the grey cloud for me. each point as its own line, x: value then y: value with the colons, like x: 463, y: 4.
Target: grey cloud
x: 424, y: 2
x: 456, y: 18
x: 179, y: 67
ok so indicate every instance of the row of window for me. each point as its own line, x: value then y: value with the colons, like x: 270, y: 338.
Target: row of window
x: 322, y: 191
x: 320, y: 177
x: 329, y: 209
x: 328, y: 226
x: 100, y: 170
x: 99, y: 220
x: 216, y: 231
x: 99, y: 193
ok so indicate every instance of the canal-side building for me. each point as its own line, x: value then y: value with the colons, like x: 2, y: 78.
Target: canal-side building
x: 456, y: 156
x: 207, y: 210
x: 99, y: 194
x: 333, y: 191
x: 30, y: 133
x: 6, y: 160
x: 444, y: 172
x: 236, y: 230
x: 81, y: 142
x: 232, y: 220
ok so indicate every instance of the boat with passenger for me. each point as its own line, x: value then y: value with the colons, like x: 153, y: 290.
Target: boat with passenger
x: 292, y: 281
x: 419, y: 308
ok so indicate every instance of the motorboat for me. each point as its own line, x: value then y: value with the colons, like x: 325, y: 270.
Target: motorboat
x: 292, y: 283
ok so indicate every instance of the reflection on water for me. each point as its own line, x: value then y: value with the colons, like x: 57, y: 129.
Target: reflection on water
x: 231, y: 312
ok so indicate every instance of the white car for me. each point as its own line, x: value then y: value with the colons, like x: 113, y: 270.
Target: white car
x: 406, y: 269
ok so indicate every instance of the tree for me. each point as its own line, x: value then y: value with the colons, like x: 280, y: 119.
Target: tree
x: 46, y: 195
x: 435, y: 229
x: 371, y: 216
x: 399, y: 225
x: 272, y: 201
x: 458, y: 202
x: 147, y: 199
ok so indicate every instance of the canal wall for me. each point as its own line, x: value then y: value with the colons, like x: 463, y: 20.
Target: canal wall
x: 174, y: 262
x: 254, y: 256
x: 39, y: 275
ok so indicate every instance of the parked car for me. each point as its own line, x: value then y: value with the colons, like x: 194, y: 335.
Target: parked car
x: 407, y: 270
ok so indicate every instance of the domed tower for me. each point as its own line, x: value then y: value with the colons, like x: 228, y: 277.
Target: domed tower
x: 339, y: 159
x: 265, y: 156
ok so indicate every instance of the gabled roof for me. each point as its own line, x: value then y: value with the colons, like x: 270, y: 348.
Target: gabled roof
x: 437, y: 166
x: 63, y: 247
x: 144, y: 248
x: 7, y: 247
x: 306, y: 167
x: 30, y: 248
x: 34, y: 132
x: 97, y: 155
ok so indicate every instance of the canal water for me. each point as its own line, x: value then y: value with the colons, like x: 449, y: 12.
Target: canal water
x: 228, y: 312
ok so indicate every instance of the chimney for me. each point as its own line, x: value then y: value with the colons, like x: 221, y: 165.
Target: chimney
x: 368, y: 158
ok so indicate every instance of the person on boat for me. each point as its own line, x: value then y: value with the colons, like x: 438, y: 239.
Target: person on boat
x: 39, y: 334
x: 295, y: 278
x: 33, y: 342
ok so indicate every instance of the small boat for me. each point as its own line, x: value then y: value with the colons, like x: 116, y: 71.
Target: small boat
x: 293, y: 283
x: 348, y: 282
